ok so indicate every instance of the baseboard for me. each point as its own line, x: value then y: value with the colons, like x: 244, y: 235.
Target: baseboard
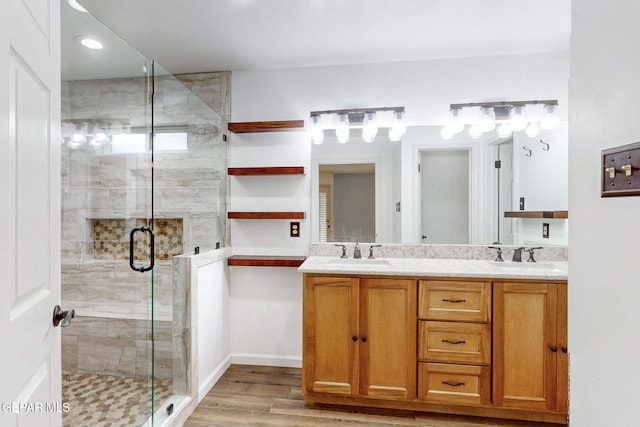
x: 213, y: 378
x: 266, y: 360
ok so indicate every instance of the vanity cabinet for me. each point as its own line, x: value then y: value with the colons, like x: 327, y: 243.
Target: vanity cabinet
x: 360, y: 337
x: 530, y: 360
x: 472, y: 346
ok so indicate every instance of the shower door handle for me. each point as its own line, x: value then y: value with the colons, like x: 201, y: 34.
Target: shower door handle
x: 142, y: 268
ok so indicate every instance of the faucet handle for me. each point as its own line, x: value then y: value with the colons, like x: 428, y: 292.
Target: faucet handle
x: 530, y: 250
x: 344, y: 250
x: 499, y: 257
x: 371, y: 251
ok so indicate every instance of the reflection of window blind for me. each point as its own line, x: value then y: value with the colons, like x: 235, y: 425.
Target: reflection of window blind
x: 323, y: 217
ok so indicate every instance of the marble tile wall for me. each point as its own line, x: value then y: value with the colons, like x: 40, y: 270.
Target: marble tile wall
x: 119, y: 347
x: 113, y: 191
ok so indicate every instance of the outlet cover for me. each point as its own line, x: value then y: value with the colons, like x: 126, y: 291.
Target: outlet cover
x: 294, y: 229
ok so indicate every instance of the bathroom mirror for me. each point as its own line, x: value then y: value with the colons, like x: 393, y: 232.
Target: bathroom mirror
x: 430, y: 190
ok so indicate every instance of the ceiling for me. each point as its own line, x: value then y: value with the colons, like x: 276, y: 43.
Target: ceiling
x: 187, y: 36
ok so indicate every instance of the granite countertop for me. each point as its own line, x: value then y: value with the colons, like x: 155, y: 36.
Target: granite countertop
x: 544, y: 270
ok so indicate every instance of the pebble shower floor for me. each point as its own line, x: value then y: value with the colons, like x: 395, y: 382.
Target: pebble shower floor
x: 108, y: 401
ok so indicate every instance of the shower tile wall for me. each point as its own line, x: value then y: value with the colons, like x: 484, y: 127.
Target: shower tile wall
x: 111, y: 333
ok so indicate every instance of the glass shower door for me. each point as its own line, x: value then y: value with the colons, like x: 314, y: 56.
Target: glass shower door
x: 107, y: 217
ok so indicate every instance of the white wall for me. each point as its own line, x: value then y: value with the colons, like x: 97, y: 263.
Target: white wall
x: 543, y: 180
x: 263, y: 299
x: 604, y: 233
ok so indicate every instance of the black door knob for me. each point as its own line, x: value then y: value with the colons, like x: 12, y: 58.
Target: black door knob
x: 62, y: 318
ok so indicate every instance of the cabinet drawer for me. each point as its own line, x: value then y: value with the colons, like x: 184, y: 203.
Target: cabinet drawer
x: 453, y: 300
x: 452, y: 342
x: 448, y: 383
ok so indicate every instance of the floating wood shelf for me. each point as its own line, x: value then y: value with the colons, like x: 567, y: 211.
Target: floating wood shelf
x: 265, y: 215
x: 265, y: 261
x: 537, y: 214
x: 276, y: 126
x: 275, y: 170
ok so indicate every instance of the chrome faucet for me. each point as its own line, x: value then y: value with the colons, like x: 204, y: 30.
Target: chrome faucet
x: 517, y: 254
x: 356, y: 251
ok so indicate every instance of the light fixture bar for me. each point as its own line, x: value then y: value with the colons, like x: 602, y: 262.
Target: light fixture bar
x: 505, y: 103
x: 359, y: 111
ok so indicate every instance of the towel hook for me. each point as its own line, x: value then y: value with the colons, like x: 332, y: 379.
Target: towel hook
x: 546, y: 146
x: 527, y: 151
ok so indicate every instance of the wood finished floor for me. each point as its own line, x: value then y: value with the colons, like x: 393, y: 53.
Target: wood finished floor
x: 270, y: 396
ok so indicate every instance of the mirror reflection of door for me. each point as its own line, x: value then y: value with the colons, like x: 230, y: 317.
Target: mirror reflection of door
x: 347, y: 202
x: 444, y: 179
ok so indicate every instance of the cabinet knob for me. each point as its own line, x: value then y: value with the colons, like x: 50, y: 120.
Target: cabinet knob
x: 354, y: 338
x: 564, y: 349
x: 364, y: 339
x: 553, y: 348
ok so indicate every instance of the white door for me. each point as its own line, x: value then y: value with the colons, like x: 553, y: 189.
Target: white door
x: 445, y: 196
x: 30, y: 392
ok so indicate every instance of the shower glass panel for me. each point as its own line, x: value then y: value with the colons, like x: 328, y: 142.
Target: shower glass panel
x: 189, y: 171
x: 141, y: 156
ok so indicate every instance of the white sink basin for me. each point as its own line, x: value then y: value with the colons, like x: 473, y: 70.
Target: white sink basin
x: 360, y: 261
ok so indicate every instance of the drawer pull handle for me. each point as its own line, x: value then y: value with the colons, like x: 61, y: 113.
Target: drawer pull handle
x: 453, y: 342
x: 454, y: 300
x: 452, y: 384
x: 553, y: 348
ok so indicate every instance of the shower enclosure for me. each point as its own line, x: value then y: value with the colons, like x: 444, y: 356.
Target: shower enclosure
x: 143, y: 180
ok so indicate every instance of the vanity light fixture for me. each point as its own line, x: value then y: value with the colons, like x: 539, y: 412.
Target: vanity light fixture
x: 370, y: 120
x: 503, y: 116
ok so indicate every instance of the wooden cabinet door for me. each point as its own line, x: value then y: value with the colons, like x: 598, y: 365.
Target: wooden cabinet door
x: 525, y: 361
x: 388, y: 354
x: 330, y: 331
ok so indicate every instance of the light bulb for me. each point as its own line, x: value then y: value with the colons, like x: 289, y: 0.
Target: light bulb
x: 475, y: 131
x: 315, y: 129
x: 487, y: 119
x: 518, y: 118
x: 504, y: 130
x: 456, y: 121
x: 532, y: 130
x: 342, y: 128
x: 369, y: 127
x: 446, y: 132
x: 398, y: 128
x: 550, y: 119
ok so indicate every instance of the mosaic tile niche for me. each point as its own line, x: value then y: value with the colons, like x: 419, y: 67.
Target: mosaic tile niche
x: 111, y: 239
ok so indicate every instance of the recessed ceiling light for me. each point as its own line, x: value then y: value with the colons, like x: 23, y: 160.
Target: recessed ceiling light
x: 89, y: 42
x: 74, y: 4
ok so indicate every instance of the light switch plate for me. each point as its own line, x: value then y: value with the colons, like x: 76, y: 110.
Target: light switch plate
x: 621, y: 171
